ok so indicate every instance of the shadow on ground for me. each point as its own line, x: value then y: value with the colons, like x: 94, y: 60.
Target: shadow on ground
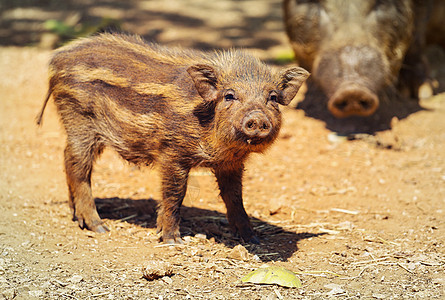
x: 314, y: 105
x: 277, y: 244
x: 22, y: 22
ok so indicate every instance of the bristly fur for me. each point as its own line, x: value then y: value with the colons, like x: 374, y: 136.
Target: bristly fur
x: 154, y: 104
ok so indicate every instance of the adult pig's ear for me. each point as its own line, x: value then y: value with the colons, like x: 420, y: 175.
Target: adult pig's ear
x: 291, y: 81
x: 204, y: 77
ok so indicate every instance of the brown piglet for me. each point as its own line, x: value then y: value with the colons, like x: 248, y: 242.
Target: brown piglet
x: 174, y: 107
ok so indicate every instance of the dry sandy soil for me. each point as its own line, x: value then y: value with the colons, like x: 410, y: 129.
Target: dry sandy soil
x: 354, y: 219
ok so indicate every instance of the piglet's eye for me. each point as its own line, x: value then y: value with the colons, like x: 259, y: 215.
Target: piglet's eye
x: 273, y: 96
x: 230, y: 95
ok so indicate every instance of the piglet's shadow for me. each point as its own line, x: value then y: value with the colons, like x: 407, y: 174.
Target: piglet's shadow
x: 391, y: 105
x: 276, y: 242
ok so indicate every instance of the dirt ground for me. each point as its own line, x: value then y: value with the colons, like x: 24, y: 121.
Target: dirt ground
x: 360, y: 218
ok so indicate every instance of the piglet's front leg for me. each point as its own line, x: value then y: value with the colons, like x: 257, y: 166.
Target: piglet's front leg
x: 230, y: 185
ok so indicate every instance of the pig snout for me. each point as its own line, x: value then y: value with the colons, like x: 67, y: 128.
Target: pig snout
x: 256, y: 126
x: 351, y: 76
x: 353, y: 99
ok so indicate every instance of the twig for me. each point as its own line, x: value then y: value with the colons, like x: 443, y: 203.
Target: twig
x: 67, y: 244
x: 279, y: 296
x: 121, y: 208
x: 345, y: 211
x: 68, y: 295
x: 381, y: 263
x: 227, y: 260
x: 329, y: 231
x: 312, y: 273
x: 379, y: 240
x: 369, y: 261
x: 388, y: 242
x: 100, y: 294
x: 269, y: 254
x: 170, y: 245
x: 128, y: 218
x: 403, y: 267
x: 361, y: 272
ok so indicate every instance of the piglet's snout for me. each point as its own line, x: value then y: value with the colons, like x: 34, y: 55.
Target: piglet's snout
x: 256, y: 125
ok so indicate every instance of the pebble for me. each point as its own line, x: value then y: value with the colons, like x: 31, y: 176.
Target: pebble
x: 167, y: 280
x: 335, y: 138
x: 9, y: 293
x: 335, y: 289
x: 201, y: 236
x: 155, y: 269
x: 36, y: 293
x: 239, y: 252
x: 76, y: 279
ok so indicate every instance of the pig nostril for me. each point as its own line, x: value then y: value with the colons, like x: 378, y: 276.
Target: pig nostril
x: 250, y: 124
x: 365, y: 104
x: 341, y: 105
x: 265, y: 126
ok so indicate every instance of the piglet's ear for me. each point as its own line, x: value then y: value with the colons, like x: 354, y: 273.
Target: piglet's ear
x: 291, y: 81
x: 204, y: 77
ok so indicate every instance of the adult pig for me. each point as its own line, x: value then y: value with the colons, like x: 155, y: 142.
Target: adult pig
x: 356, y: 49
x: 178, y: 108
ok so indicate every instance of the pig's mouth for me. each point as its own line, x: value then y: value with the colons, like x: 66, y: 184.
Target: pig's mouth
x: 254, y: 141
x: 244, y: 140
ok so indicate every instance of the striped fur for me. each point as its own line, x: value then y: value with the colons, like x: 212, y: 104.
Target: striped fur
x: 160, y: 105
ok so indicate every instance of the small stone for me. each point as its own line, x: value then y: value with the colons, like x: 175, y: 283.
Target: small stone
x: 438, y: 281
x: 239, y: 252
x: 36, y: 293
x: 275, y: 207
x: 421, y: 294
x: 156, y: 269
x: 200, y: 236
x: 334, y: 138
x: 335, y: 289
x: 76, y: 279
x: 9, y: 293
x: 167, y: 280
x: 256, y: 258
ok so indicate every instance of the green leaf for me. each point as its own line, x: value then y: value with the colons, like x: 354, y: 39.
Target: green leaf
x: 273, y: 275
x: 59, y: 27
x: 284, y: 57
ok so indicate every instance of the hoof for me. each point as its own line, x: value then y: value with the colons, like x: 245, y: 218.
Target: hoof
x: 254, y: 240
x: 176, y: 241
x: 100, y: 228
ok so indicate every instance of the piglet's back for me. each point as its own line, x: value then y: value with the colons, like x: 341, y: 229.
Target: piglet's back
x: 121, y: 60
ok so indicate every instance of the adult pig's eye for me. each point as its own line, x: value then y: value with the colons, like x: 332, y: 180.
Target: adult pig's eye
x: 230, y: 95
x: 273, y: 96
